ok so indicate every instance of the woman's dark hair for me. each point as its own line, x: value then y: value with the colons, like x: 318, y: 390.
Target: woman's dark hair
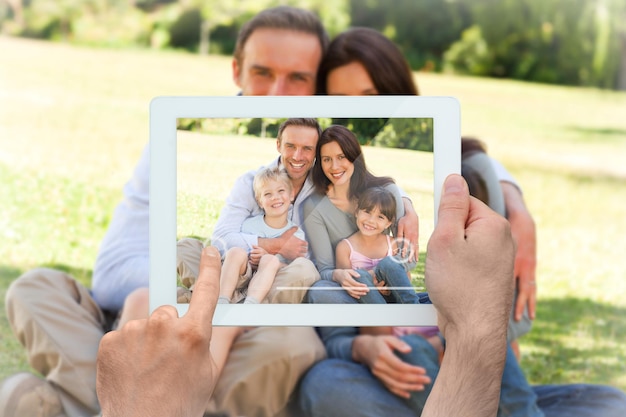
x: 383, y: 60
x: 475, y: 181
x: 378, y: 197
x: 347, y: 141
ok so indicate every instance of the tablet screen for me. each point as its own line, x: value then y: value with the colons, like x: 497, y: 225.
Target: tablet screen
x: 205, y: 144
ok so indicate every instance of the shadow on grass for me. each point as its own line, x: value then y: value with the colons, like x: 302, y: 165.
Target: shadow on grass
x: 9, y: 274
x: 576, y: 340
x: 608, y: 132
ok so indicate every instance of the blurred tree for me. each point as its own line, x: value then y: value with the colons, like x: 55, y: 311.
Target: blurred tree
x: 469, y: 55
x: 406, y: 133
x: 365, y: 129
x: 423, y: 29
x: 557, y: 41
x: 616, y: 17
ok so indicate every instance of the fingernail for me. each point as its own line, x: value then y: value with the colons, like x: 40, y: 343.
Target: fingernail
x: 453, y: 184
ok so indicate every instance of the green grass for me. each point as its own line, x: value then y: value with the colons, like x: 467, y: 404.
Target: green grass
x: 73, y: 122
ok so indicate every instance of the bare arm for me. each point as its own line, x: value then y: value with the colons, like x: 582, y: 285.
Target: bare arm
x: 525, y: 235
x: 342, y: 256
x: 344, y: 274
x: 408, y: 228
x: 288, y: 245
x: 470, y: 256
x: 378, y: 354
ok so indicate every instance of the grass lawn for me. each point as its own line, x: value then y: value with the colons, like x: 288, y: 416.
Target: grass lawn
x: 73, y: 122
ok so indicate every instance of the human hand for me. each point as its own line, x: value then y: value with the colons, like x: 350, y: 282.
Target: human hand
x: 408, y: 232
x: 470, y: 257
x: 161, y: 365
x: 524, y: 234
x: 377, y: 352
x: 381, y: 285
x: 345, y: 278
x: 255, y: 255
x: 292, y: 247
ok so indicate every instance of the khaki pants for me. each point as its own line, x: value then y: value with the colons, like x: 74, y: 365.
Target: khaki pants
x: 60, y: 325
x: 299, y: 274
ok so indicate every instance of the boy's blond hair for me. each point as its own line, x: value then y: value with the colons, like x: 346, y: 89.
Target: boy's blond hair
x: 270, y: 174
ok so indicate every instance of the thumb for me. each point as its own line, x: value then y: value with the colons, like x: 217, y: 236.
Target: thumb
x: 453, y: 207
x: 290, y: 231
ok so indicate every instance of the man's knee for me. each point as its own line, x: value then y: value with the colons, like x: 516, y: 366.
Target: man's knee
x: 304, y: 272
x: 188, y: 252
x: 264, y: 368
x: 293, y: 281
x: 38, y: 282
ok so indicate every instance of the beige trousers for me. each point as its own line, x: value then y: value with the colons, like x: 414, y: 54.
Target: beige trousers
x: 60, y: 325
x: 289, y: 287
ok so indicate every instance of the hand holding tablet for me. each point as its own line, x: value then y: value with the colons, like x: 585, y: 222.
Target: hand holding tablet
x: 127, y: 376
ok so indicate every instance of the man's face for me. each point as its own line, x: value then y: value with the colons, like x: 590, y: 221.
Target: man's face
x: 297, y: 150
x: 278, y: 62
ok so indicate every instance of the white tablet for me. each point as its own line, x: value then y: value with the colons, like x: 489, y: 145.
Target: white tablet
x: 199, y: 146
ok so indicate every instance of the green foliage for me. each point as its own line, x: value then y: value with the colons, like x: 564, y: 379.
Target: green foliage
x: 185, y: 31
x: 574, y: 42
x: 422, y: 29
x: 121, y: 27
x: 407, y: 134
x: 264, y: 128
x: 470, y: 55
x: 71, y: 147
x: 557, y: 41
x: 364, y: 129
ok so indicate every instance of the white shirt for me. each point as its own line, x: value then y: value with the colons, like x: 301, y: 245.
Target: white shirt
x: 241, y: 204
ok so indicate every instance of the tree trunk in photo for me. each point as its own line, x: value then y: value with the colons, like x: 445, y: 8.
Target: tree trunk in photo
x: 205, y: 32
x: 621, y: 76
x: 18, y: 12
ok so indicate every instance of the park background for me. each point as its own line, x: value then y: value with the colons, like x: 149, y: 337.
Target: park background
x: 537, y: 81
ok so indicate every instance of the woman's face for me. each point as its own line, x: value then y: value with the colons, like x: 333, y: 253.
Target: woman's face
x: 350, y: 80
x: 337, y: 168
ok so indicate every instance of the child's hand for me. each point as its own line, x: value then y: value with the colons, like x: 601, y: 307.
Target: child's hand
x: 379, y: 354
x: 345, y: 278
x: 381, y: 285
x: 255, y: 255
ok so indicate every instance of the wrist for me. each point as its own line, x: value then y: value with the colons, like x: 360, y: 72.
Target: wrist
x: 270, y: 245
x: 359, y: 347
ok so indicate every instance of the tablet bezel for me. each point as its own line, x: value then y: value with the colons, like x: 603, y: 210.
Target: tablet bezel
x: 164, y: 112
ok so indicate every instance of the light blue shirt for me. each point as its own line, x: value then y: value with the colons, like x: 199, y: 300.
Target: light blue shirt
x: 241, y: 204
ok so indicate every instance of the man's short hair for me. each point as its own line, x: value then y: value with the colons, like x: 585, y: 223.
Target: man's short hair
x: 282, y: 17
x: 299, y: 121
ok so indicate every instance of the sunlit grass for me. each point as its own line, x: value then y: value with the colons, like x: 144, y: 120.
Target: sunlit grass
x: 73, y: 122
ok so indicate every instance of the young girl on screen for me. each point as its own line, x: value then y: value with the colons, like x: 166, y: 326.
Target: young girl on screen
x: 365, y: 249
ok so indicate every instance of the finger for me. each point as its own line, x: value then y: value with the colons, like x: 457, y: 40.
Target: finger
x: 354, y: 274
x: 532, y: 305
x: 401, y: 228
x: 413, y: 252
x: 416, y: 383
x: 519, y: 307
x: 207, y: 287
x: 453, y: 206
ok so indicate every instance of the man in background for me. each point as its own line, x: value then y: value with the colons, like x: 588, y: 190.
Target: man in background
x: 61, y: 323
